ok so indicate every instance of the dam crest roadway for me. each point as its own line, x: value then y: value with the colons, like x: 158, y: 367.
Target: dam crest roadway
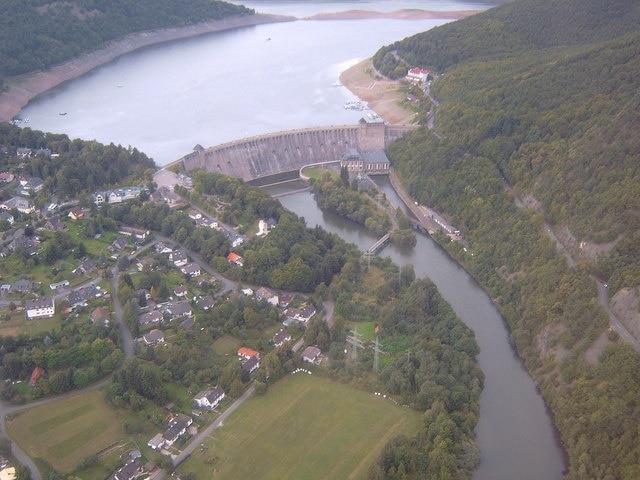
x: 255, y: 159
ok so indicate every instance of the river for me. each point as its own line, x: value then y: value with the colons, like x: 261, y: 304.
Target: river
x: 515, y: 432
x: 223, y: 86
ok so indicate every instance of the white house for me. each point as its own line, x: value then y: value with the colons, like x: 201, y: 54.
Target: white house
x: 311, y: 354
x: 40, y: 307
x: 154, y: 337
x: 418, y: 74
x: 209, y: 399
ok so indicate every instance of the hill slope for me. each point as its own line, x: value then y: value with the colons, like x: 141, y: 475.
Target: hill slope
x: 539, y: 107
x: 37, y: 34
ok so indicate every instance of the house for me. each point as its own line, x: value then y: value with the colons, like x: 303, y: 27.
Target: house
x: 311, y: 354
x: 179, y: 258
x: 30, y: 244
x: 8, y: 473
x: 270, y: 296
x: 418, y: 75
x: 251, y: 365
x: 29, y: 186
x: 181, y: 291
x: 57, y: 285
x: 6, y: 177
x: 86, y: 266
x: 163, y: 248
x: 23, y: 152
x: 194, y: 214
x: 150, y: 318
x: 157, y: 442
x: 24, y: 286
x: 131, y: 470
x: 191, y: 269
x: 99, y: 198
x: 145, y: 263
x: 118, y: 244
x: 80, y: 297
x: 179, y: 309
x: 7, y: 217
x: 235, y: 259
x: 138, y: 234
x: 247, y: 353
x: 22, y: 204
x: 41, y: 307
x: 209, y: 399
x: 284, y: 299
x: 76, y: 213
x: 281, y: 337
x: 187, y: 324
x: 154, y: 337
x: 299, y: 315
x: 168, y: 196
x: 206, y: 303
x: 177, y: 427
x: 54, y: 224
x: 100, y: 314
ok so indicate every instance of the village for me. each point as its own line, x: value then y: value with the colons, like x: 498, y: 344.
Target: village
x: 83, y: 290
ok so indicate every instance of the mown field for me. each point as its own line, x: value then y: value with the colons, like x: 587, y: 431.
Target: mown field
x: 304, y: 427
x: 66, y: 432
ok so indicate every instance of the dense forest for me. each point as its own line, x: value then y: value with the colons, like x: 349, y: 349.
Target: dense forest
x: 37, y: 34
x: 535, y: 132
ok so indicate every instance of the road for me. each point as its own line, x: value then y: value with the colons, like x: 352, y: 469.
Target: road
x: 614, y: 322
x: 603, y: 293
x: 202, y: 436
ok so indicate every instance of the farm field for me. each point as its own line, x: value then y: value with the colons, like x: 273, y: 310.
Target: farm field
x: 65, y: 432
x: 304, y: 427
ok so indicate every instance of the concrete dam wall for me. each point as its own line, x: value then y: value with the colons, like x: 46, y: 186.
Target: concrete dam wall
x: 257, y: 157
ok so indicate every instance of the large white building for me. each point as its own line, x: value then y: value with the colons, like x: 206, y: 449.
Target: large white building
x: 40, y: 307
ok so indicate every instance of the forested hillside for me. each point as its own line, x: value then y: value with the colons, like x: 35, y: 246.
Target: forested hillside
x: 536, y: 131
x: 36, y: 34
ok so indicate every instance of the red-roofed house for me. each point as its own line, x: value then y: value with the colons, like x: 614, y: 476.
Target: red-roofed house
x: 418, y: 75
x: 247, y: 353
x: 235, y: 258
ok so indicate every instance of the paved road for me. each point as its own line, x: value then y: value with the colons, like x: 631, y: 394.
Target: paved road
x: 603, y: 294
x: 202, y: 436
x: 614, y: 322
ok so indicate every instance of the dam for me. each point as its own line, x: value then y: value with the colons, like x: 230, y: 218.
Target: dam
x: 260, y: 157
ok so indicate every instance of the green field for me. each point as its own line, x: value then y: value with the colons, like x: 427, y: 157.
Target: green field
x: 65, y: 432
x: 304, y: 427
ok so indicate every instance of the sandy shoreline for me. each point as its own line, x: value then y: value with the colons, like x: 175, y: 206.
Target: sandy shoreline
x: 383, y: 96
x: 21, y: 90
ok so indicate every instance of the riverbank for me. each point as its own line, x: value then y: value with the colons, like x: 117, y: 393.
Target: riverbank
x: 22, y: 89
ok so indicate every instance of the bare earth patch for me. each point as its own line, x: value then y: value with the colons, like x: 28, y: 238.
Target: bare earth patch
x: 625, y: 305
x: 383, y: 96
x: 405, y: 14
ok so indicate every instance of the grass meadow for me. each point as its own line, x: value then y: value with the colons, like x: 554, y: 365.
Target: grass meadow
x: 66, y: 432
x: 304, y: 427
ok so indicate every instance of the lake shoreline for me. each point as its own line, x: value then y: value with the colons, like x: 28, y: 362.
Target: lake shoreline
x: 24, y: 88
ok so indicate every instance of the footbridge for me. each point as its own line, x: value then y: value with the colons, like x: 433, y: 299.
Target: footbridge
x: 260, y: 157
x: 376, y: 247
